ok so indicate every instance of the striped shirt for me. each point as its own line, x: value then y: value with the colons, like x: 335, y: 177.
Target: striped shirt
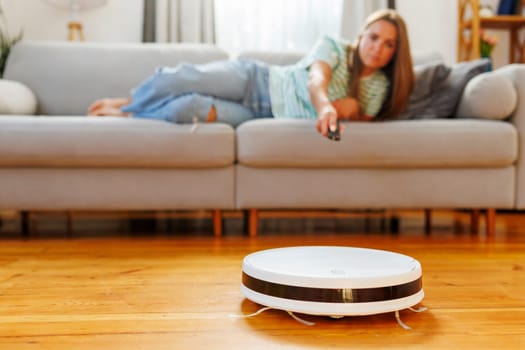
x: 289, y: 93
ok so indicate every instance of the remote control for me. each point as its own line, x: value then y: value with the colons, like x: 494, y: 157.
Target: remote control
x: 336, y: 134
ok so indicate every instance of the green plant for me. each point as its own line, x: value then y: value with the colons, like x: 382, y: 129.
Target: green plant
x: 486, y: 44
x: 6, y: 41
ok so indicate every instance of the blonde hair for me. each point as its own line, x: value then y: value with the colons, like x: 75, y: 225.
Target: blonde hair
x: 399, y: 70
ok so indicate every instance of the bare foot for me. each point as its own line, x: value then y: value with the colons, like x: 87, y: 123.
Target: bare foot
x: 108, y: 107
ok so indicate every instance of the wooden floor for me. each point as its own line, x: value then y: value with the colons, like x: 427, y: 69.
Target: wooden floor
x: 171, y: 290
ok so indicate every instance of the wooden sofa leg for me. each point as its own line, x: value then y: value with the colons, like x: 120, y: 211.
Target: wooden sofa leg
x: 428, y: 221
x: 25, y: 223
x: 253, y: 222
x: 394, y: 224
x: 217, y: 223
x: 474, y: 221
x: 491, y: 222
x: 69, y: 224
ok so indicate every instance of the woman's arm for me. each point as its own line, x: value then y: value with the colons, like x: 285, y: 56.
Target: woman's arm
x: 319, y: 78
x: 328, y: 112
x: 348, y: 108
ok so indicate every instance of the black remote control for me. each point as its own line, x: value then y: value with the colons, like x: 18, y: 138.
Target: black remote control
x: 336, y: 134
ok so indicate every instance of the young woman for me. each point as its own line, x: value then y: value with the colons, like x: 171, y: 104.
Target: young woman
x: 371, y: 79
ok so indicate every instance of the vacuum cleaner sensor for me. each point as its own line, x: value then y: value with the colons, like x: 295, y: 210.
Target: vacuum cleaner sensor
x: 332, y: 281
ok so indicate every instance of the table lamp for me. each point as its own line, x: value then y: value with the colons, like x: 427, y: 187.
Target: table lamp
x: 74, y: 25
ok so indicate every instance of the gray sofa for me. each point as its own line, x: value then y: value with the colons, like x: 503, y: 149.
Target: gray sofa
x: 60, y: 160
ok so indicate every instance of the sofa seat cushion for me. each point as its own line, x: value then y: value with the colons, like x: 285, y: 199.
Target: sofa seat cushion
x: 436, y: 143
x: 113, y: 142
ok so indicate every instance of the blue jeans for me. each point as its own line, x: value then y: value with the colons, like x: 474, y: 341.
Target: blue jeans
x: 239, y: 90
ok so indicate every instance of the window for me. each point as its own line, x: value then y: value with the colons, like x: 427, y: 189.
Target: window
x: 275, y: 24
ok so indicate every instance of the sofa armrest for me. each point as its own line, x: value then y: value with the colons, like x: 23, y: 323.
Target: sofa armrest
x: 490, y: 95
x: 16, y: 98
x: 516, y: 73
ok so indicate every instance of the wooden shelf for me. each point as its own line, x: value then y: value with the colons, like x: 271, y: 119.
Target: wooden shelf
x: 470, y: 24
x: 502, y: 22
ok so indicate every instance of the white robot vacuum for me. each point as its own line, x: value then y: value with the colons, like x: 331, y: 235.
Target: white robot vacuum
x: 332, y: 281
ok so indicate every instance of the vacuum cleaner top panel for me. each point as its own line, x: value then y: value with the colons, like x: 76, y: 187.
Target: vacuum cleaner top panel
x: 332, y: 267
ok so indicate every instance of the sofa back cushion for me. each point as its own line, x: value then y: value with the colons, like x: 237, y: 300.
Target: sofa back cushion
x: 290, y: 57
x: 278, y: 58
x: 67, y: 77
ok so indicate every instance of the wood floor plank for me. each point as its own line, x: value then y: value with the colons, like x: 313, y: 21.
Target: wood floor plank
x: 182, y: 292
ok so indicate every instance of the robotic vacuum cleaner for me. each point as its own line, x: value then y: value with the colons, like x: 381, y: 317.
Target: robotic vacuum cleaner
x: 332, y: 281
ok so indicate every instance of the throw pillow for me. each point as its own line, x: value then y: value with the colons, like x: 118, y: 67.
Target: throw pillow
x: 446, y: 100
x: 16, y: 98
x: 438, y: 98
x: 488, y: 96
x: 428, y: 77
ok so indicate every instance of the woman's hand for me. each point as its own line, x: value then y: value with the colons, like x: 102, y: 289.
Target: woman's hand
x: 327, y: 119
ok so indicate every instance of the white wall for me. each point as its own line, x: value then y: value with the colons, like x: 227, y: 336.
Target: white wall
x: 432, y: 24
x: 117, y: 21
